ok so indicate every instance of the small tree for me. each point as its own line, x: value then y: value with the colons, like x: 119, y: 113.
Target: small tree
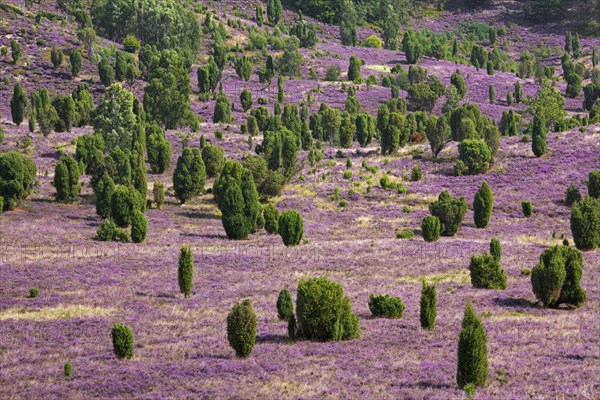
x: 496, y: 249
x: 572, y: 194
x: 476, y: 155
x: 472, y: 367
x: 585, y: 223
x: 354, y: 70
x: 222, y: 112
x: 214, y: 159
x: 75, y: 61
x: 594, y: 184
x: 185, y: 272
x: 428, y: 310
x: 386, y: 306
x: 246, y: 99
x: 431, y: 228
x: 555, y: 279
x: 122, y: 338
x: 159, y: 149
x: 241, y: 328
x: 56, y: 56
x: 518, y: 95
x: 104, y: 191
x: 139, y: 227
x: 67, y: 369
x: 285, y: 305
x: 18, y: 102
x: 232, y: 209
x: 291, y: 227
x: 159, y: 194
x: 15, y: 51
x: 450, y: 212
x: 527, y: 208
x: 538, y: 135
x: 106, y: 72
x: 271, y: 215
x: 483, y: 205
x: 486, y: 272
x: 66, y: 180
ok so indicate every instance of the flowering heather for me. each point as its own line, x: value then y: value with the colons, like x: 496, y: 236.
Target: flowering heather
x: 181, y: 348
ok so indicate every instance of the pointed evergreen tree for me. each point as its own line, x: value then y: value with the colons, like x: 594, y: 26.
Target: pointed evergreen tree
x: 185, y: 271
x: 428, y: 309
x: 538, y: 134
x: 483, y: 205
x: 354, y: 70
x: 183, y: 182
x: 232, y: 209
x: 280, y: 90
x: 18, y: 102
x: 104, y: 191
x: 518, y: 95
x: 66, y: 180
x: 472, y: 367
x: 348, y: 33
x: 252, y: 207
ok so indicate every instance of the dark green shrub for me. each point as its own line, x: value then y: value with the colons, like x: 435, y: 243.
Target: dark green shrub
x: 121, y: 235
x: 75, y: 61
x: 486, y: 272
x: 538, y: 135
x: 107, y: 231
x: 572, y: 194
x: 17, y: 174
x: 68, y: 370
x: 483, y: 205
x: 66, y: 180
x: 106, y: 72
x: 472, y: 366
x: 431, y: 228
x: 416, y: 173
x: 56, y: 56
x: 34, y: 292
x: 476, y: 155
x: 139, y: 227
x: 159, y: 194
x: 159, y: 150
x: 18, y: 103
x: 1, y: 205
x: 285, y: 305
x: 324, y: 312
x: 585, y: 223
x: 496, y: 249
x: 122, y: 206
x: 428, y: 310
x: 405, y: 234
x: 214, y: 159
x: 189, y: 177
x: 386, y: 306
x: 594, y: 184
x: 241, y: 328
x: 185, y: 272
x: 246, y: 99
x: 354, y: 70
x: 555, y: 279
x: 104, y: 191
x: 271, y: 215
x: 450, y: 212
x: 222, y: 113
x: 232, y: 209
x: 527, y: 208
x: 252, y: 208
x: 292, y: 328
x: 122, y: 338
x: 291, y: 227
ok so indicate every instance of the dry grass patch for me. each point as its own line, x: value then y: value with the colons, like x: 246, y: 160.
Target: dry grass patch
x: 58, y: 312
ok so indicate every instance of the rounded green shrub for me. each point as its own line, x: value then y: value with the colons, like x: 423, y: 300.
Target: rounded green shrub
x: 373, y: 41
x: 66, y: 180
x: 291, y: 227
x: 572, y: 194
x: 232, y: 209
x: 271, y: 216
x: 555, y: 279
x: 476, y: 155
x: 585, y: 223
x: 472, y: 366
x: 496, y: 249
x: 431, y: 228
x: 405, y: 234
x: 34, y: 292
x: 122, y: 338
x: 159, y: 194
x: 450, y: 211
x: 185, y: 271
x: 594, y: 184
x: 104, y: 191
x: 17, y: 174
x: 486, y: 272
x: 483, y: 205
x: 428, y: 310
x: 527, y: 208
x: 416, y: 173
x: 122, y: 206
x: 324, y: 312
x: 285, y: 305
x: 292, y: 328
x: 386, y: 306
x: 107, y: 231
x: 68, y: 370
x: 139, y: 227
x: 241, y: 328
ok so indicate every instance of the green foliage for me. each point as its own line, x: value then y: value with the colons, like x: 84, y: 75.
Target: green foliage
x: 122, y: 338
x: 305, y: 32
x: 15, y: 51
x: 585, y: 223
x: 486, y: 272
x: 244, y: 67
x: 189, y: 177
x: 386, y: 306
x: 68, y: 370
x: 458, y: 82
x: 405, y: 234
x: 56, y: 56
x: 292, y: 328
x: 17, y: 174
x: 66, y: 180
x: 232, y: 208
x: 185, y: 271
x: 291, y: 227
x: 114, y: 118
x: 106, y: 72
x: 159, y: 149
x: 274, y: 11
x: 285, y: 305
x: 139, y: 226
x: 472, y: 366
x: 66, y: 112
x: 104, y: 191
x: 428, y: 309
x: 572, y: 194
x: 483, y: 205
x: 222, y: 112
x: 495, y: 249
x: 290, y: 62
x: 348, y: 32
x: 555, y: 279
x: 252, y: 208
x: 246, y: 99
x: 1, y: 205
x: 271, y: 216
x: 18, y: 102
x: 527, y: 208
x: 214, y: 159
x: 324, y: 312
x: 75, y: 61
x: 594, y: 184
x: 124, y: 203
x: 131, y: 44
x: 431, y: 228
x: 450, y: 212
x: 241, y: 328
x: 159, y: 194
x: 354, y: 70
x: 373, y: 41
x: 416, y: 173
x: 34, y: 292
x: 476, y: 155
x: 438, y: 134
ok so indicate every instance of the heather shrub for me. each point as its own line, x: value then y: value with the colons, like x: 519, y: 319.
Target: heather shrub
x: 122, y: 338
x: 486, y: 272
x: 585, y: 223
x: 472, y: 366
x: 527, y: 208
x: 185, y: 271
x: 428, y: 309
x: 594, y: 184
x: 324, y: 312
x: 106, y: 231
x: 450, y: 212
x: 431, y: 228
x: 159, y: 194
x: 386, y: 306
x: 483, y: 205
x: 271, y: 216
x: 139, y: 227
x: 291, y: 227
x: 285, y: 305
x: 572, y: 194
x: 241, y: 328
x: 555, y: 279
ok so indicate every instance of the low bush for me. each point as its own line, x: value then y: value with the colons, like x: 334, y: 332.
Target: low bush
x: 386, y: 306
